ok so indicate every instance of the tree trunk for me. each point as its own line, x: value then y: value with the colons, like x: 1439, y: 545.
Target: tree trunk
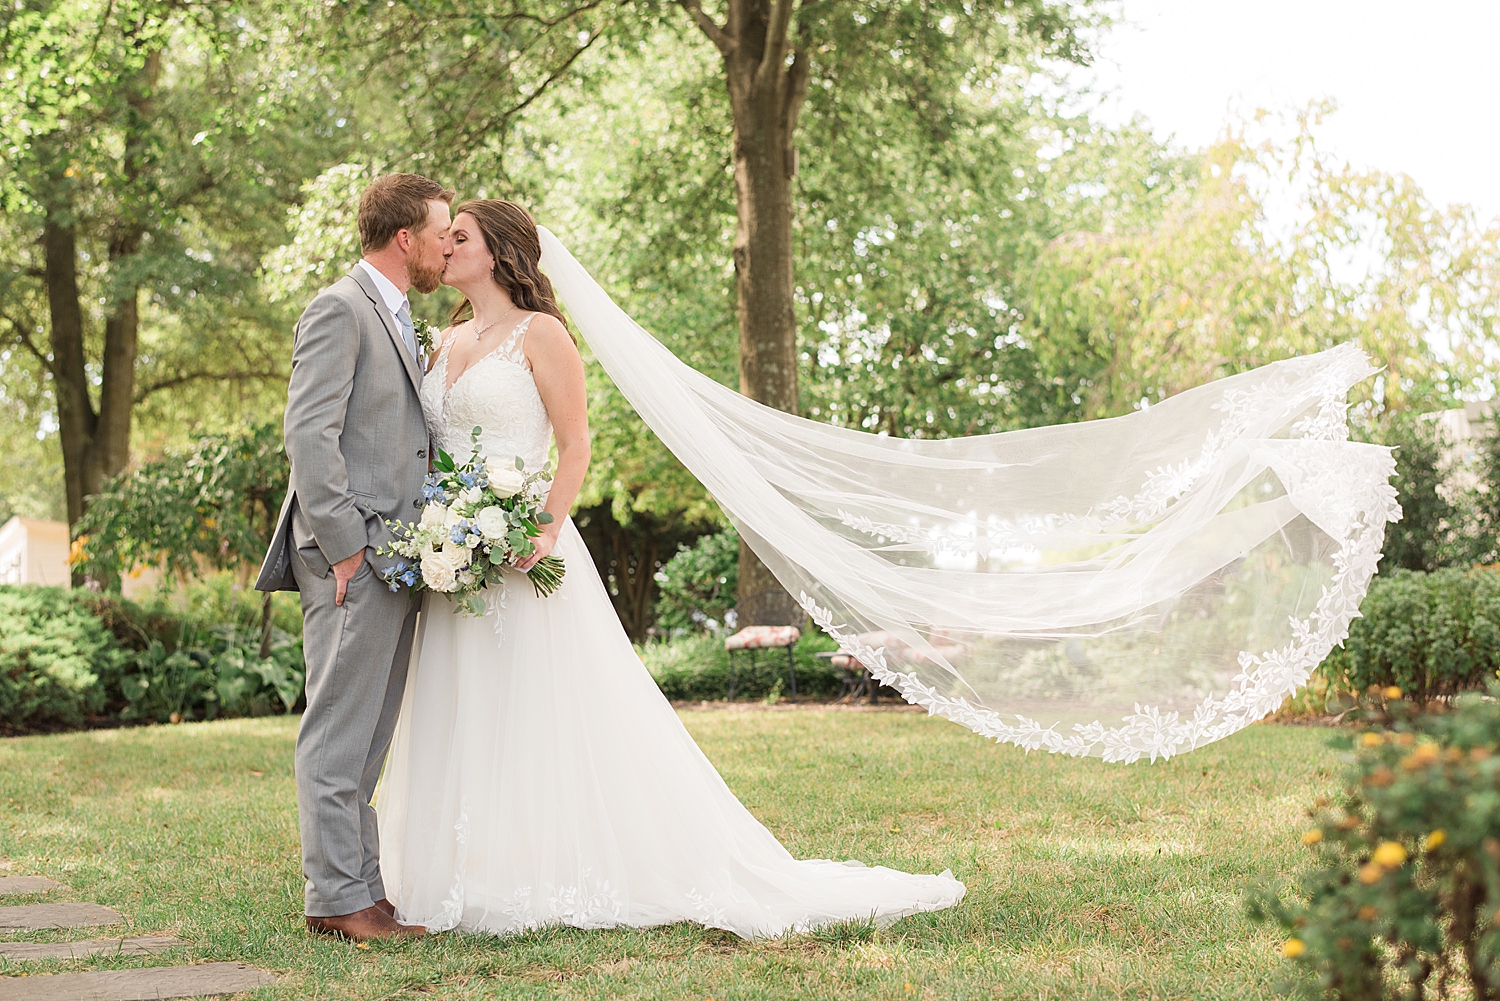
x: 766, y: 91
x: 628, y: 557
x: 96, y: 443
x: 75, y: 412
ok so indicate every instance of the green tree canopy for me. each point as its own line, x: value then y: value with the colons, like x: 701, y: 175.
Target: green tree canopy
x: 149, y: 149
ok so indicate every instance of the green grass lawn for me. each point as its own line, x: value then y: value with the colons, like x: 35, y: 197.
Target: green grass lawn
x: 1085, y: 880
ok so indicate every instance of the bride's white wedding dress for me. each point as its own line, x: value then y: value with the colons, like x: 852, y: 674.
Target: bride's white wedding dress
x: 538, y: 776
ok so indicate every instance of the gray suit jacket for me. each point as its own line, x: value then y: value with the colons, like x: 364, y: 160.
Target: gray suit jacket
x: 355, y: 435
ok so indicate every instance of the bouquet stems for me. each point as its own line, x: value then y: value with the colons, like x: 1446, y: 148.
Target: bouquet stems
x: 547, y: 575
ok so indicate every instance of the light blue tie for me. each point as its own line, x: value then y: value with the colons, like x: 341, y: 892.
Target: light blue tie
x: 408, y: 330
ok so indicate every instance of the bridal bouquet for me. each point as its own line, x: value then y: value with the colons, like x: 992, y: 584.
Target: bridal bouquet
x: 476, y: 521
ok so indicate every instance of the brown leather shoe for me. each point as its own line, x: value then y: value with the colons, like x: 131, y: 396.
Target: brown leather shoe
x: 370, y: 924
x: 387, y: 906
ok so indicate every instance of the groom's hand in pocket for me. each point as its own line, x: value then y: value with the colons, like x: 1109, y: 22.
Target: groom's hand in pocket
x: 343, y: 572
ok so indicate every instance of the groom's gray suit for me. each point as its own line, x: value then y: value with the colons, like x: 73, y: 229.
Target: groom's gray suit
x: 358, y: 445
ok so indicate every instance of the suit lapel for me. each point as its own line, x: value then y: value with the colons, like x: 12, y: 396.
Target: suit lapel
x: 366, y: 283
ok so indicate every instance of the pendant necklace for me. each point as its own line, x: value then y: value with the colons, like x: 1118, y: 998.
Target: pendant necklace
x: 480, y: 332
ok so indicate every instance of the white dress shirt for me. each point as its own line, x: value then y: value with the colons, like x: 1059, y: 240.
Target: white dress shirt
x: 393, y: 297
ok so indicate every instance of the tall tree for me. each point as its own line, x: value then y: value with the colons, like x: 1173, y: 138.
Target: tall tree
x: 148, y: 145
x: 772, y: 51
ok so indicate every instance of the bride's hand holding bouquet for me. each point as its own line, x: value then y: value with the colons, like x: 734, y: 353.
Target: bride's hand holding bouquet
x: 542, y: 545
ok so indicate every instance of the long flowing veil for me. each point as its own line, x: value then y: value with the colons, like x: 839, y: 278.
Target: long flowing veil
x: 1138, y: 586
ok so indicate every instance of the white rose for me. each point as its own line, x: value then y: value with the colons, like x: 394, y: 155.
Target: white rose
x: 440, y: 567
x: 471, y: 495
x: 435, y: 514
x: 451, y: 517
x: 507, y: 482
x: 491, y: 523
x: 438, y: 576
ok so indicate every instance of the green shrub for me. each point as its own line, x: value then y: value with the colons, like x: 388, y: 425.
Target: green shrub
x: 67, y: 654
x: 697, y: 586
x: 696, y: 667
x: 1399, y: 898
x: 1433, y: 531
x: 55, y: 658
x: 1429, y: 634
x: 222, y: 674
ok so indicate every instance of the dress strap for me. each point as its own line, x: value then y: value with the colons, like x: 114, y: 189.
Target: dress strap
x: 441, y: 353
x: 511, y: 349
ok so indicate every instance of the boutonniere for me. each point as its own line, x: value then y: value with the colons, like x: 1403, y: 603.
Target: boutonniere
x: 427, y: 335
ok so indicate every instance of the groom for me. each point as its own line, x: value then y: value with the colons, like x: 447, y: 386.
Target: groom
x: 358, y: 445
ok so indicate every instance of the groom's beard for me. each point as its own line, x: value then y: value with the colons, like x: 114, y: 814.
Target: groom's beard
x: 425, y: 275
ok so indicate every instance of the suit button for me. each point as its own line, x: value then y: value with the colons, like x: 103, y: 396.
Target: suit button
x: 416, y: 503
x: 421, y: 453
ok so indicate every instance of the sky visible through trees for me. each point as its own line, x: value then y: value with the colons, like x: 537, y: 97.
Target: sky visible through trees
x: 969, y: 252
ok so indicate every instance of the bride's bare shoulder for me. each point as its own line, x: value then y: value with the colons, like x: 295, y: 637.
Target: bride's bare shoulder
x: 546, y: 337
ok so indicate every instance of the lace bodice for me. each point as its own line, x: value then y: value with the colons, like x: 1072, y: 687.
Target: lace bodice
x: 496, y: 393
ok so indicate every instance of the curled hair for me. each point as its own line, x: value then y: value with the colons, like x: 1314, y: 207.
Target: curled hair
x: 511, y: 238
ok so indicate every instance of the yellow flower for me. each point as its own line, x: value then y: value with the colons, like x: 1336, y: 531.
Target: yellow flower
x: 1423, y: 755
x: 1371, y: 739
x: 1312, y: 837
x: 1293, y: 947
x: 1389, y: 855
x: 1368, y: 913
x: 1434, y: 840
x: 1370, y: 873
x: 1392, y: 692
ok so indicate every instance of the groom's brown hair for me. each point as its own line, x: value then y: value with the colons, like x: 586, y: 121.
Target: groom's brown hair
x: 393, y: 203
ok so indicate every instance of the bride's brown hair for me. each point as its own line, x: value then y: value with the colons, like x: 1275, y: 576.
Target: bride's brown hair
x: 510, y: 236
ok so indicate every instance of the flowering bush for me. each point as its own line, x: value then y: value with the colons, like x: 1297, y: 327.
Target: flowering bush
x: 1401, y: 895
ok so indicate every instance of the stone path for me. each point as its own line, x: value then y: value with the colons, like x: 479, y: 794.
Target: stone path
x: 34, y: 916
x: 88, y: 947
x: 151, y: 983
x: 136, y: 985
x: 11, y: 886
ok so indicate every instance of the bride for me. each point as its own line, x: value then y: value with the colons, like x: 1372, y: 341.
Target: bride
x: 537, y: 775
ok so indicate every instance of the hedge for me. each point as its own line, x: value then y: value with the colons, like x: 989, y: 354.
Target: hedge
x: 1430, y: 634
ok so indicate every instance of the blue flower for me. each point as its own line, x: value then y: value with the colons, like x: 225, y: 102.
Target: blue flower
x: 458, y: 533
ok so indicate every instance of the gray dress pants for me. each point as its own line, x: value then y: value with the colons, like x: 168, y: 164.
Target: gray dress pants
x: 357, y: 656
